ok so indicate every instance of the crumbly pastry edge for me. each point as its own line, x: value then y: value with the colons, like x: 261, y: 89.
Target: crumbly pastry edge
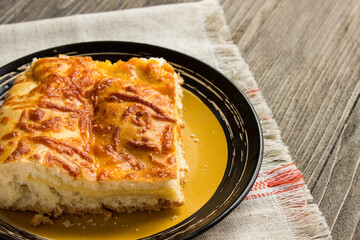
x: 161, y: 204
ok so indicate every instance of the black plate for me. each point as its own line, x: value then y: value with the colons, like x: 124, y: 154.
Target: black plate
x: 232, y: 109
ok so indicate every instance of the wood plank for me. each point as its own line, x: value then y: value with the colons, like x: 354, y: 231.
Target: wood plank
x: 305, y: 57
x: 339, y: 202
x: 346, y: 225
x: 356, y: 235
x: 20, y: 11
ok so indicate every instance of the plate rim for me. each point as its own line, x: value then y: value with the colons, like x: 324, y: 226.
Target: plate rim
x: 44, y: 53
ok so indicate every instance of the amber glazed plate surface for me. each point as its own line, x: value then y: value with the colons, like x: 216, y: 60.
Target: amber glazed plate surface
x: 222, y: 141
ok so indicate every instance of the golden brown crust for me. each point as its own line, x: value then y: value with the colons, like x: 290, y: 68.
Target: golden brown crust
x: 110, y: 121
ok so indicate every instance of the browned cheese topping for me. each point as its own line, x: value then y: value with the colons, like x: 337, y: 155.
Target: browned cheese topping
x: 94, y: 120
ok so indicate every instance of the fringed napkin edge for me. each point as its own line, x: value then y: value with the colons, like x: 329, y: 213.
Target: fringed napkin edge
x: 278, y: 171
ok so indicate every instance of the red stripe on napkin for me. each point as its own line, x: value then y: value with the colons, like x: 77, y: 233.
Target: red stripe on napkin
x: 279, y: 180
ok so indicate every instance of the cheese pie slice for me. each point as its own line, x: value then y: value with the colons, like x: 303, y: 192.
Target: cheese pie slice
x: 78, y: 136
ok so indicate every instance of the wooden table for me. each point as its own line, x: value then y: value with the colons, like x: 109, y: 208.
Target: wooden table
x: 305, y: 56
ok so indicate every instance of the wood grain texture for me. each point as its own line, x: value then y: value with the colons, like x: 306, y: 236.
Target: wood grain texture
x: 305, y: 56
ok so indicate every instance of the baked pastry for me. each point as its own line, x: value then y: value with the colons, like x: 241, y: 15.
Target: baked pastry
x: 83, y: 136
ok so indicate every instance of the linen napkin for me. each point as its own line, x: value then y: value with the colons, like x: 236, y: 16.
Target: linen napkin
x: 277, y: 206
